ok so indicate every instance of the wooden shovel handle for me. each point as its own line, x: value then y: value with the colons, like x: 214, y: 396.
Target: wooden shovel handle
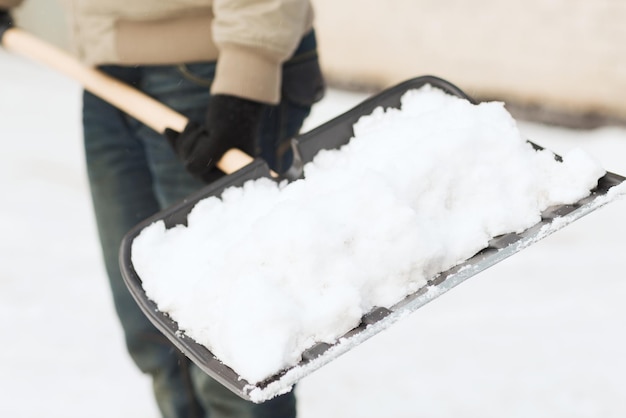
x: 131, y: 101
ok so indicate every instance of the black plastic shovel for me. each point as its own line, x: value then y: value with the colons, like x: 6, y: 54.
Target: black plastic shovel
x: 332, y: 135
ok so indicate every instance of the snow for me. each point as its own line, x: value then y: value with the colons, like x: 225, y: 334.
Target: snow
x: 268, y: 270
x: 539, y: 334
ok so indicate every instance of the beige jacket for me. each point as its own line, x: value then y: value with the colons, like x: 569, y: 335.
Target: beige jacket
x: 7, y: 4
x: 251, y: 38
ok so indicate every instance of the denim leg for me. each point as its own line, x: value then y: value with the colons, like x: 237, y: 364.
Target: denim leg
x: 122, y: 192
x: 133, y: 173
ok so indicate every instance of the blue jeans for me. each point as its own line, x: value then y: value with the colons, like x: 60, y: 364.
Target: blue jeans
x: 133, y: 173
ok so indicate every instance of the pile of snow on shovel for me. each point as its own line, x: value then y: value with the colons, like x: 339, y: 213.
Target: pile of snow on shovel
x: 267, y: 270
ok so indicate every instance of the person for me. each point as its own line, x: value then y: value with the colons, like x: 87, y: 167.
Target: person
x: 246, y: 74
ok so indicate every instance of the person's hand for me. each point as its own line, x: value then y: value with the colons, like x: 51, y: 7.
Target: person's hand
x: 231, y: 122
x: 5, y: 22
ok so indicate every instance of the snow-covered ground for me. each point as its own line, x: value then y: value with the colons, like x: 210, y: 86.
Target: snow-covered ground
x: 538, y: 335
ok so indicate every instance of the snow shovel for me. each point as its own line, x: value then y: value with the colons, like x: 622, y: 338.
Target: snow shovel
x: 330, y: 135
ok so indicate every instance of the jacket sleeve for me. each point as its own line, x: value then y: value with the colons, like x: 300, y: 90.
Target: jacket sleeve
x: 254, y: 38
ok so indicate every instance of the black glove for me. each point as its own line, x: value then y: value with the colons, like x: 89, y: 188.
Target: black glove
x: 231, y: 122
x: 5, y: 22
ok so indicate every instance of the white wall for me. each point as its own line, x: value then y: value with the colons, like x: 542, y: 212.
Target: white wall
x: 562, y: 54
